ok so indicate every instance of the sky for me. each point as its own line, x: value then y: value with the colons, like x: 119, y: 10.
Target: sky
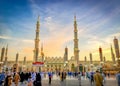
x: 98, y: 21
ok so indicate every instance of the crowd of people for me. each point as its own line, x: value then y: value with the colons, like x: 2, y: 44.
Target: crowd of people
x: 35, y: 78
x: 32, y: 78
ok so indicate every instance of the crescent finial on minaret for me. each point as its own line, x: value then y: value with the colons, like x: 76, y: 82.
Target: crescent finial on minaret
x: 38, y: 18
x: 75, y: 17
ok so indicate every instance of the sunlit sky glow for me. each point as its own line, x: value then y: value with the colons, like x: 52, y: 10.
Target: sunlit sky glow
x: 98, y: 21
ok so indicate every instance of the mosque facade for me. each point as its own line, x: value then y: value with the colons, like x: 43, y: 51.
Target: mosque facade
x: 57, y: 63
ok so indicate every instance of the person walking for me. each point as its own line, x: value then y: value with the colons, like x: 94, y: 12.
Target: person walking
x: 8, y: 80
x: 37, y: 82
x: 92, y: 78
x: 79, y: 78
x: 16, y: 79
x: 30, y: 81
x: 62, y: 76
x: 50, y: 77
x: 22, y: 77
x: 98, y: 79
x: 104, y: 78
x: 2, y: 78
x: 118, y: 78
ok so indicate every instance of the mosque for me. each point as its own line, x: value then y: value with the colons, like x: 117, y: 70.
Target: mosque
x: 61, y: 63
x: 72, y: 64
x: 57, y: 63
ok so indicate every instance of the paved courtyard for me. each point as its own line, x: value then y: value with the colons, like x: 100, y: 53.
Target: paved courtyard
x: 72, y: 82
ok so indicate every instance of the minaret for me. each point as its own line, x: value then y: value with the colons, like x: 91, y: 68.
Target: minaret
x: 17, y: 55
x: 76, y: 49
x: 6, y: 51
x: 112, y: 55
x: 42, y: 54
x: 66, y: 54
x: 116, y: 46
x: 100, y: 53
x: 91, y: 61
x: 36, y: 49
x: 2, y: 54
x: 24, y: 62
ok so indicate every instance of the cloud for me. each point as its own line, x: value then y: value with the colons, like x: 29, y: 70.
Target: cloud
x: 36, y: 9
x: 56, y: 29
x: 17, y: 39
x: 4, y: 29
x: 93, y: 23
x: 92, y: 45
x: 57, y: 37
x: 28, y: 41
x: 5, y: 37
x: 96, y: 41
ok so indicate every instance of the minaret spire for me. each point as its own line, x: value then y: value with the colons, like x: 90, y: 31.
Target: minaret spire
x: 66, y: 54
x: 6, y: 52
x: 100, y: 54
x: 116, y: 46
x: 38, y: 20
x: 112, y: 55
x: 36, y: 49
x: 91, y: 60
x: 2, y: 54
x: 75, y: 17
x: 76, y: 49
x: 24, y: 62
